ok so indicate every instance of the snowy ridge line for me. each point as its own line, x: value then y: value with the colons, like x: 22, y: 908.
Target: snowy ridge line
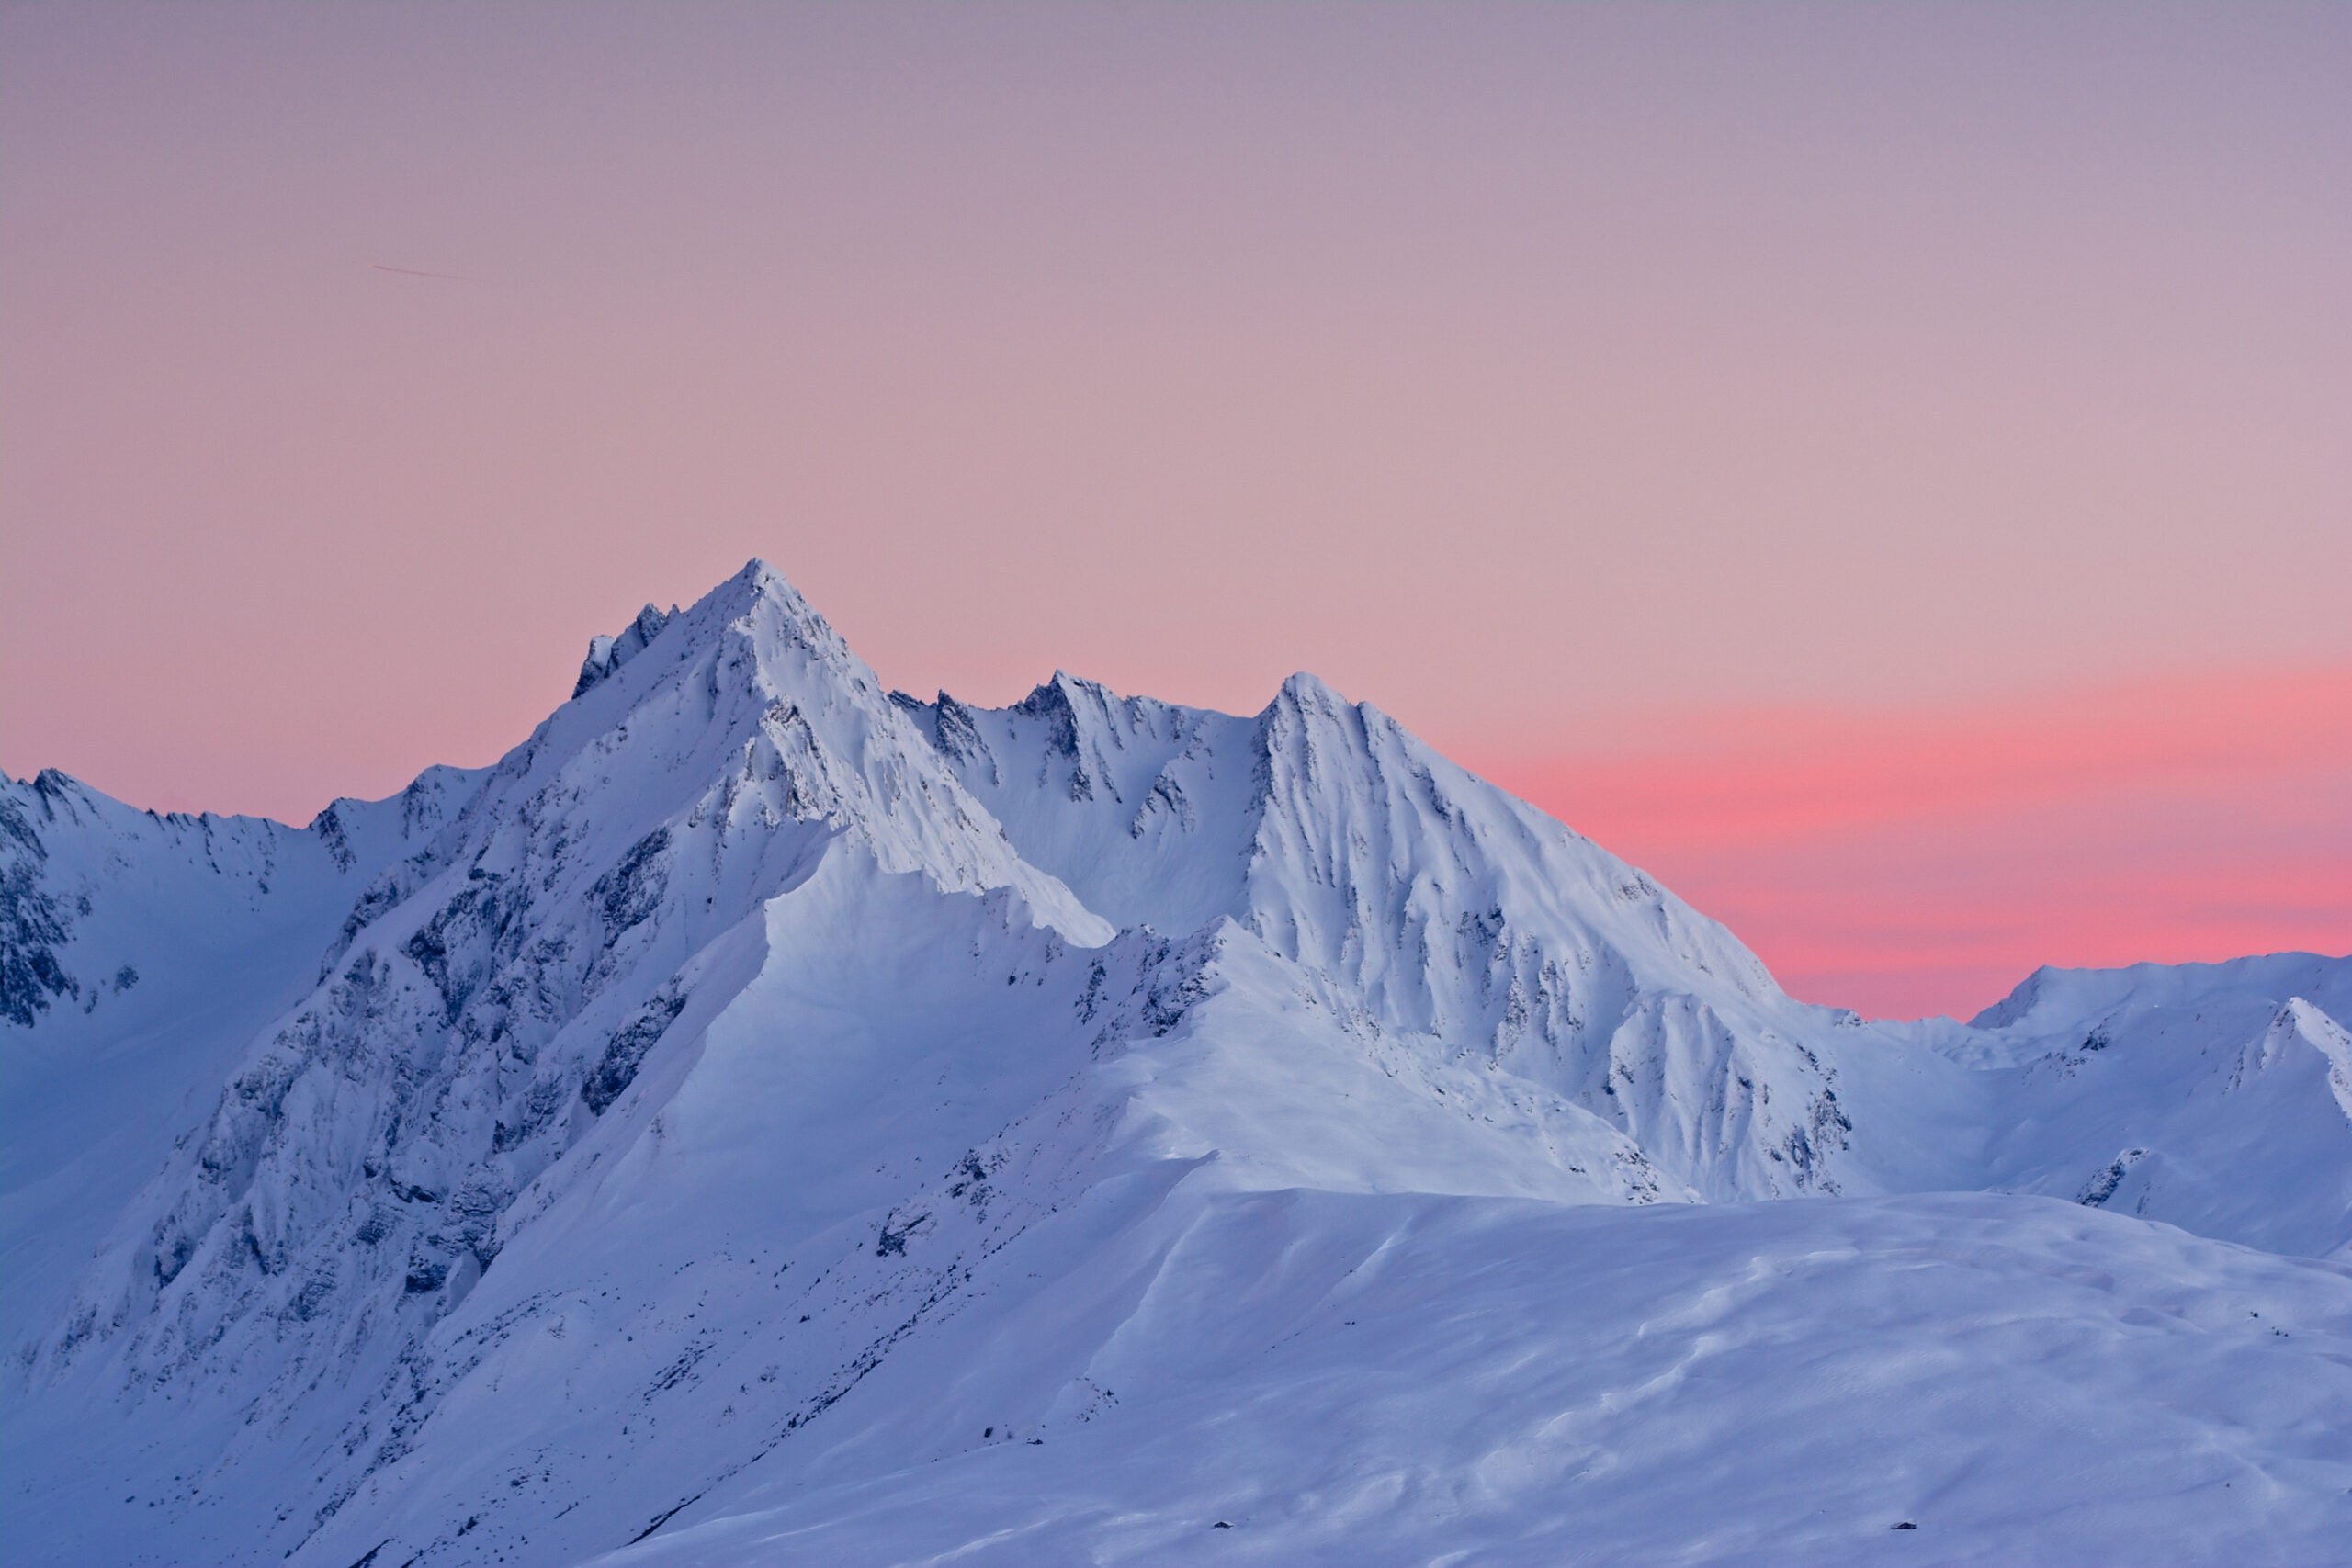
x: 761, y: 1094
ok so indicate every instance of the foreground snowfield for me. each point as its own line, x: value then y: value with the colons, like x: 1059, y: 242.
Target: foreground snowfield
x: 768, y: 1119
x: 1345, y: 1380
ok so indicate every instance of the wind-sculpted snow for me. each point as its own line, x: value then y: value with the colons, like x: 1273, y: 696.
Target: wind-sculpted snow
x: 1283, y: 1378
x: 760, y: 1109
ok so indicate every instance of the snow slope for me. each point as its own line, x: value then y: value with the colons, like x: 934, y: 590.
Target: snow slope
x: 1342, y: 1379
x: 2216, y: 1096
x: 765, y: 1118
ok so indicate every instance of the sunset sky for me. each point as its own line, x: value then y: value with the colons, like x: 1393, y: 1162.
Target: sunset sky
x: 1887, y: 470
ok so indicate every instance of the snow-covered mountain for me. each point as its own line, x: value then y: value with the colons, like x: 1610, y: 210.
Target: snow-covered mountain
x: 765, y: 1118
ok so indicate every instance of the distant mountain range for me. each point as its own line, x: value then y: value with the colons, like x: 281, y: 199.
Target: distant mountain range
x: 770, y: 1119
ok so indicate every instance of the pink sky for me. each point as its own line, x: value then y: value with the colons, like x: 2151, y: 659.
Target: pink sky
x: 1904, y: 862
x: 1772, y: 437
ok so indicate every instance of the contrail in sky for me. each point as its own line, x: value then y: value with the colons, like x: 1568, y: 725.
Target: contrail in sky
x: 414, y: 272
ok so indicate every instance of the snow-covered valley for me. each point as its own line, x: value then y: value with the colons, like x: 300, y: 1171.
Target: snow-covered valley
x: 768, y: 1118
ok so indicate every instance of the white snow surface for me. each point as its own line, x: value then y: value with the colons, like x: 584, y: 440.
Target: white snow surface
x: 765, y: 1119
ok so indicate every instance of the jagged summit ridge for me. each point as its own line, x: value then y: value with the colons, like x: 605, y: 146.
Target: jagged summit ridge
x: 1421, y: 900
x: 606, y: 654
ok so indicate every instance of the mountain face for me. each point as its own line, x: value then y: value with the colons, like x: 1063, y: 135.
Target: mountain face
x: 769, y: 1118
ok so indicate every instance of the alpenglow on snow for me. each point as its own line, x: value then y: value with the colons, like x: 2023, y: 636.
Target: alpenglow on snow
x: 766, y: 1118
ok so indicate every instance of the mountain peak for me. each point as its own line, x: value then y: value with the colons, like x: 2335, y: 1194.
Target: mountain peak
x: 1058, y: 692
x: 762, y: 580
x: 2021, y: 1001
x: 740, y: 598
x: 1308, y: 696
x: 779, y: 613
